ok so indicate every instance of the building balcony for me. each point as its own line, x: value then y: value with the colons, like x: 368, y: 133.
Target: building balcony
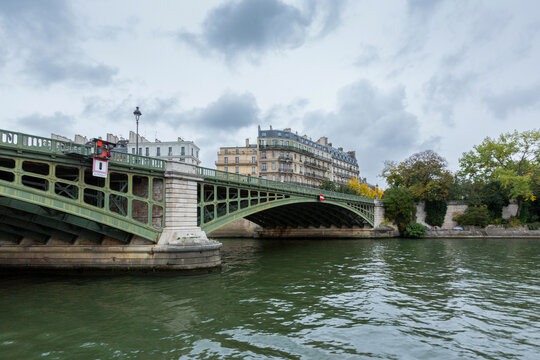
x: 292, y: 148
x: 240, y: 163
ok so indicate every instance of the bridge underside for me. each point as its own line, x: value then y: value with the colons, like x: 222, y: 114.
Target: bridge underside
x: 304, y: 215
x: 25, y: 223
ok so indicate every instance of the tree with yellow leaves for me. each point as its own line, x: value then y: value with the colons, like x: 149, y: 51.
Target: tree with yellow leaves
x: 363, y: 189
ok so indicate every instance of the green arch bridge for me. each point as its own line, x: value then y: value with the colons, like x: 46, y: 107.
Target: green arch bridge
x: 49, y: 195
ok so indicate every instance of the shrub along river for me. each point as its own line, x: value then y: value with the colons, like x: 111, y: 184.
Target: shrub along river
x: 292, y: 299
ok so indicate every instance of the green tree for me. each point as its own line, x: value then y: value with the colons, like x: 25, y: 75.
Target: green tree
x: 399, y: 207
x: 435, y: 212
x: 415, y: 231
x: 513, y: 160
x: 424, y: 174
x: 327, y: 185
x: 474, y: 215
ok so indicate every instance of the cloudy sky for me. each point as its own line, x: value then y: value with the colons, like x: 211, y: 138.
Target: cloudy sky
x: 384, y: 78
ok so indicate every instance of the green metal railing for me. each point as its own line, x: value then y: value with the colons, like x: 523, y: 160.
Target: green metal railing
x: 277, y: 185
x: 45, y: 145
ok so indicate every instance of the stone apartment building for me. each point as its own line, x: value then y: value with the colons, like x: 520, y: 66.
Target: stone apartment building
x: 282, y: 155
x: 179, y: 150
x: 241, y: 160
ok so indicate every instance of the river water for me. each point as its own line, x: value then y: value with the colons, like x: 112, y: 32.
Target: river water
x: 292, y: 299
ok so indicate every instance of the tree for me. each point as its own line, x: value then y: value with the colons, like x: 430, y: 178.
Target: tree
x: 326, y: 185
x: 424, y: 174
x: 399, y: 207
x: 363, y: 189
x: 513, y: 160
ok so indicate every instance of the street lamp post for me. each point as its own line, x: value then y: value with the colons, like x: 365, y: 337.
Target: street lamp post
x: 137, y: 114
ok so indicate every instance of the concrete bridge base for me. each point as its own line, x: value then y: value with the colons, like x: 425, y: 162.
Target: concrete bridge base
x: 107, y: 257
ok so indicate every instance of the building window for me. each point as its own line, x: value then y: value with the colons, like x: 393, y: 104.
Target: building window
x: 253, y: 151
x: 281, y: 142
x: 226, y: 169
x: 158, y: 151
x: 226, y: 151
x: 253, y: 169
x: 237, y: 151
x: 253, y: 160
x: 263, y: 155
x: 191, y: 151
x: 147, y: 152
x: 237, y: 169
x: 197, y: 154
x: 273, y: 142
x: 133, y: 151
x: 226, y: 160
x: 237, y: 160
x: 182, y: 159
x: 140, y: 151
x: 273, y: 165
x: 182, y: 151
x: 170, y: 150
x: 264, y: 166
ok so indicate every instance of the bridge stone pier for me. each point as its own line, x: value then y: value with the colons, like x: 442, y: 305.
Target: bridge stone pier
x: 181, y: 207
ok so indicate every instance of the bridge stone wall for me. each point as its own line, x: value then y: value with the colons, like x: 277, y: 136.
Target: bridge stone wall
x: 378, y: 213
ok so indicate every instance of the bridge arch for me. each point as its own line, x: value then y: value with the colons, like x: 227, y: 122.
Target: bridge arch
x: 295, y: 212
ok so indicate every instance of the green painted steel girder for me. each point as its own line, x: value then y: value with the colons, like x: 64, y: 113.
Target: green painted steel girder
x: 66, y: 218
x: 260, y: 208
x: 85, y: 217
x: 38, y: 229
x: 50, y: 222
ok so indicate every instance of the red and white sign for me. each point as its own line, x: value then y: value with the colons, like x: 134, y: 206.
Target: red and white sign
x: 321, y: 197
x: 100, y: 167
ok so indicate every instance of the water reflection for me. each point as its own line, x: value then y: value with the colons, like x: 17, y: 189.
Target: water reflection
x: 292, y: 299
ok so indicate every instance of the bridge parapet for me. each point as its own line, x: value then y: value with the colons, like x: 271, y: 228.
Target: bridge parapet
x: 277, y: 185
x: 20, y: 141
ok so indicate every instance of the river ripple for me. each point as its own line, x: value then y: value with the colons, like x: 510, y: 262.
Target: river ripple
x: 292, y: 299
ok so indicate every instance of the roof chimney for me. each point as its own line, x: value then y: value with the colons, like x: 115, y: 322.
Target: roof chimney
x: 247, y: 142
x: 352, y: 153
x: 340, y: 148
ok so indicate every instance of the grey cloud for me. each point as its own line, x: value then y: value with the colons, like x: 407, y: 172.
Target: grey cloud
x: 432, y: 143
x: 444, y: 90
x: 43, y: 37
x: 504, y: 104
x: 423, y: 6
x: 285, y: 115
x: 254, y: 27
x: 43, y: 125
x: 49, y: 70
x: 371, y: 121
x: 368, y: 55
x: 230, y: 111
